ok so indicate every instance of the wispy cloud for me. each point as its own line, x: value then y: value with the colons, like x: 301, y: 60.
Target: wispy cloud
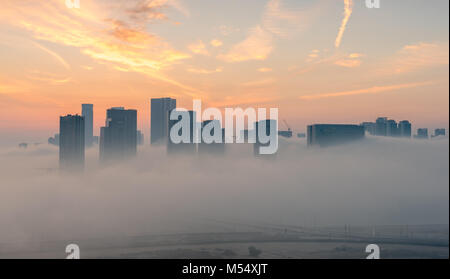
x: 51, y: 78
x: 352, y: 60
x: 419, y: 56
x: 348, y: 8
x: 276, y: 22
x: 105, y: 31
x: 216, y: 43
x: 257, y: 46
x: 198, y: 48
x: 370, y: 90
x: 204, y: 71
x: 265, y: 70
x: 279, y: 20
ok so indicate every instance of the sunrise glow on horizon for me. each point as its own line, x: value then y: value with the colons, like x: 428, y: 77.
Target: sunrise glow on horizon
x: 322, y: 61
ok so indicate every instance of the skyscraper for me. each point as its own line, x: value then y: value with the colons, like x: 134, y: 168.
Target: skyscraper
x: 214, y: 148
x: 159, y: 118
x: 268, y: 125
x: 404, y: 127
x: 381, y: 126
x: 331, y: 134
x: 87, y: 111
x: 391, y: 128
x: 183, y: 147
x: 71, y: 142
x: 118, y: 139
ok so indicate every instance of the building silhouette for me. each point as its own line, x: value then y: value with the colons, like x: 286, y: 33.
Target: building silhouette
x: 71, y: 142
x: 369, y: 127
x: 391, y: 128
x: 324, y: 135
x: 404, y: 128
x: 54, y: 140
x: 87, y: 111
x: 214, y: 148
x: 422, y: 133
x: 189, y: 147
x: 381, y: 126
x: 388, y: 127
x: 139, y: 137
x: 439, y: 132
x: 159, y: 119
x: 118, y: 139
x: 266, y: 125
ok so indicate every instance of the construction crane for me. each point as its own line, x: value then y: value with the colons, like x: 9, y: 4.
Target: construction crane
x: 286, y: 134
x: 286, y: 124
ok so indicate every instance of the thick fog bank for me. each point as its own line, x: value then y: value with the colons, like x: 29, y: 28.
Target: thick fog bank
x: 377, y: 181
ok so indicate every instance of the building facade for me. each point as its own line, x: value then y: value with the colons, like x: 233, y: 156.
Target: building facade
x: 324, y: 135
x: 404, y: 128
x: 87, y: 111
x: 118, y: 139
x: 71, y: 142
x: 159, y: 119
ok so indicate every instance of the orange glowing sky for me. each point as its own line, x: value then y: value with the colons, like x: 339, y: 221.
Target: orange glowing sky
x: 317, y: 61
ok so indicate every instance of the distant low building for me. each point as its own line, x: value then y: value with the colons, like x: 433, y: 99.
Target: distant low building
x: 54, y: 140
x: 369, y: 127
x: 422, y: 133
x: 332, y: 134
x: 23, y: 145
x: 439, y: 132
x: 301, y: 135
x: 285, y: 134
x: 388, y: 128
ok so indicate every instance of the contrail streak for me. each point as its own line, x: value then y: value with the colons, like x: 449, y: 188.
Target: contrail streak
x: 347, y: 13
x: 53, y: 54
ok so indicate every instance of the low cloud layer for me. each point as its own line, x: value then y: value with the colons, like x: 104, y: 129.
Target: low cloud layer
x: 378, y: 181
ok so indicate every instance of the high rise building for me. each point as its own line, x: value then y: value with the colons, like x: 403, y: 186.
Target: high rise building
x: 87, y: 111
x: 118, y: 139
x: 369, y: 127
x: 214, y: 132
x: 183, y: 147
x: 268, y: 125
x: 391, y: 128
x: 159, y: 118
x: 331, y: 134
x: 381, y: 126
x: 71, y: 142
x: 404, y: 128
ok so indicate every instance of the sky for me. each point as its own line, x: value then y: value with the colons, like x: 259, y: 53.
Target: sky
x: 322, y: 61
